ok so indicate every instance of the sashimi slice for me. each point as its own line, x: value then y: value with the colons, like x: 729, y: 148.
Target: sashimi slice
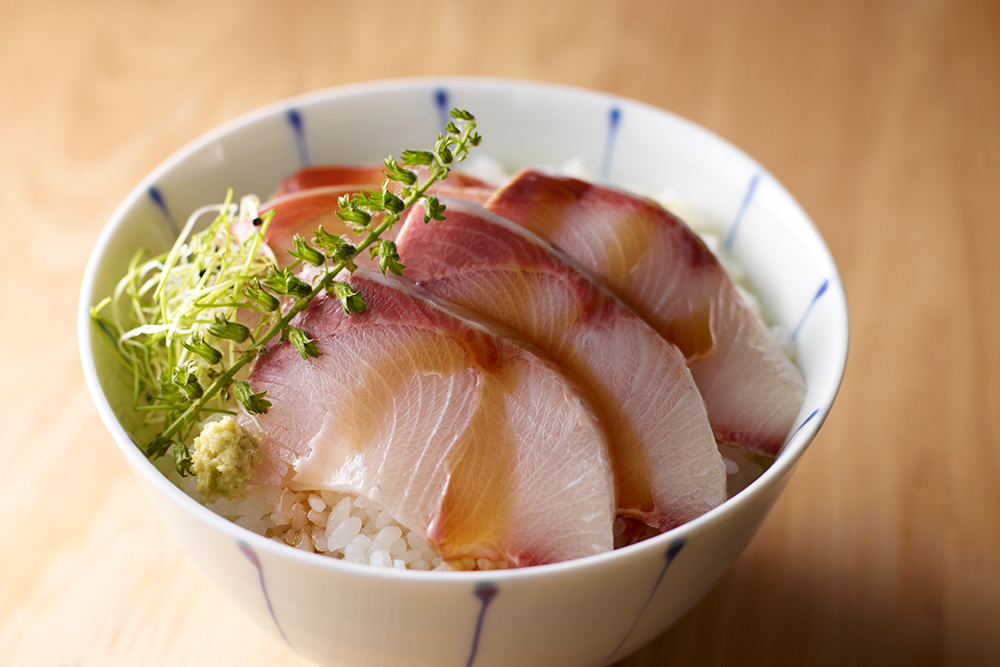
x: 667, y: 466
x: 301, y: 213
x: 367, y: 176
x: 465, y: 436
x: 309, y: 198
x: 474, y: 194
x: 666, y: 273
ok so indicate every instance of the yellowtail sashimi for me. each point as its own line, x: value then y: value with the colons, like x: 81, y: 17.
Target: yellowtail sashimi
x: 466, y: 437
x: 668, y: 469
x: 368, y: 176
x: 666, y: 273
x: 309, y: 199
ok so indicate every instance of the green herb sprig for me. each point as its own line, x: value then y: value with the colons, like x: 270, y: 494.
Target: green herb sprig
x: 188, y: 323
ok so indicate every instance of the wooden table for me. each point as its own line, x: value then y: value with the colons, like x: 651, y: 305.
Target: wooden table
x: 882, y: 118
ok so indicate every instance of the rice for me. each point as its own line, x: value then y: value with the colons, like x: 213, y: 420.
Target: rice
x: 356, y: 529
x: 340, y: 525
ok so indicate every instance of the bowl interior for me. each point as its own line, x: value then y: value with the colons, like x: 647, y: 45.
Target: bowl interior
x: 523, y: 124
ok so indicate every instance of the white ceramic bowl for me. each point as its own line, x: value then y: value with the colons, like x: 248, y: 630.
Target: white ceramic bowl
x: 591, y: 611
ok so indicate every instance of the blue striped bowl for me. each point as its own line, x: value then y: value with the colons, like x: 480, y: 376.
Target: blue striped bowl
x: 592, y: 611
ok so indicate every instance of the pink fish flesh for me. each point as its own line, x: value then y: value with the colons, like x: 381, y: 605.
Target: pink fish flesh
x: 309, y: 199
x: 668, y: 469
x: 666, y: 273
x: 465, y: 436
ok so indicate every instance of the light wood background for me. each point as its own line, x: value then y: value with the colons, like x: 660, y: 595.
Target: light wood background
x: 881, y: 117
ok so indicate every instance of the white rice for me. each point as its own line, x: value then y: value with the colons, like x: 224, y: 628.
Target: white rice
x: 340, y: 525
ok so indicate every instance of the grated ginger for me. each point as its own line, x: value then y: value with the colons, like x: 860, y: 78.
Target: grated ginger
x: 223, y: 457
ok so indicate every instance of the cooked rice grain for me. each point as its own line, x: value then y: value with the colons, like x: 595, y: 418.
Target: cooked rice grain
x: 340, y: 525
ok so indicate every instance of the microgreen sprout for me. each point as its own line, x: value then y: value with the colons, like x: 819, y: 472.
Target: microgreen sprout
x: 188, y: 323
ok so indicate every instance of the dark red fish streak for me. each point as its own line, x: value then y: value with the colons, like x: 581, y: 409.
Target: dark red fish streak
x: 462, y: 488
x: 693, y: 333
x: 325, y: 317
x: 451, y: 258
x: 667, y: 274
x: 526, y: 191
x: 541, y: 203
x: 696, y: 254
x: 485, y: 262
x: 531, y: 190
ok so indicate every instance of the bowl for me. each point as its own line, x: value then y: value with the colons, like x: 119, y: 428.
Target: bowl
x: 592, y: 611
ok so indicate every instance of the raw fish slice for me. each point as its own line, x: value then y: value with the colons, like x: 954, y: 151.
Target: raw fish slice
x: 552, y: 501
x: 466, y: 437
x: 666, y: 273
x: 366, y: 176
x: 471, y: 193
x: 302, y: 211
x: 668, y: 469
x: 309, y: 198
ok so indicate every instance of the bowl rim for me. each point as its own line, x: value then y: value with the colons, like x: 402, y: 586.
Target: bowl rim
x: 794, y: 447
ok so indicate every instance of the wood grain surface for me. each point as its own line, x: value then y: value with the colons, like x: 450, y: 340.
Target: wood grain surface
x: 881, y: 117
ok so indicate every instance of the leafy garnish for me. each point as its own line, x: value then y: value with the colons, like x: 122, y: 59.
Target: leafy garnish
x: 187, y: 323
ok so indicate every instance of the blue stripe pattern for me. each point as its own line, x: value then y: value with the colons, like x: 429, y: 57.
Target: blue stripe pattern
x: 295, y: 120
x: 485, y: 591
x: 751, y: 189
x: 157, y: 197
x: 252, y: 557
x: 441, y: 100
x: 804, y: 422
x: 819, y: 293
x: 671, y: 553
x: 614, y: 120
